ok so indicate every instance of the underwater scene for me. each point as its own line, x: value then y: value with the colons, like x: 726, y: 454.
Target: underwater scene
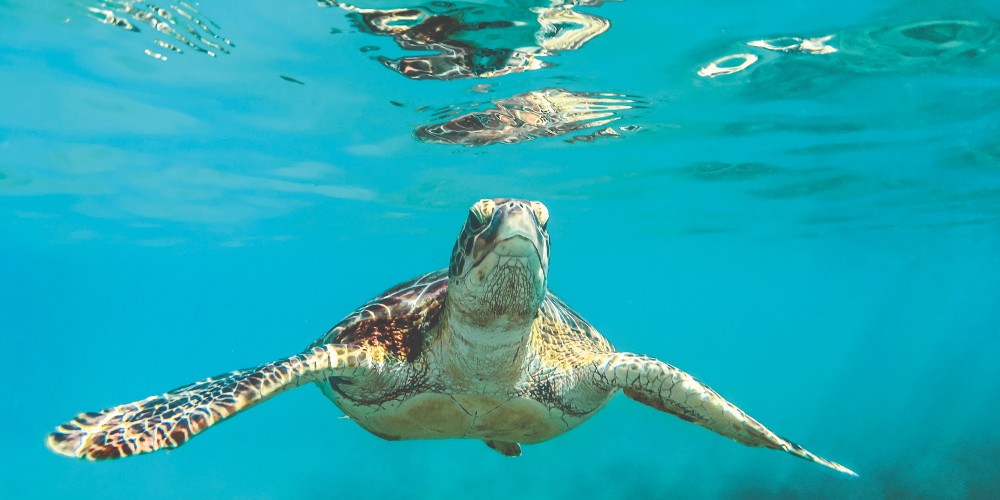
x: 795, y: 203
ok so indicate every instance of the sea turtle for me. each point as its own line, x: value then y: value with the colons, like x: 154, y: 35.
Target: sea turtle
x: 480, y: 350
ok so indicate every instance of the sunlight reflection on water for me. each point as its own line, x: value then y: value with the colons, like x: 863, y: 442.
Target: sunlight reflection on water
x: 181, y: 25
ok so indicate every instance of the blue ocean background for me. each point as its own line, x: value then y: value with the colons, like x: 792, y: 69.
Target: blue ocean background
x: 817, y: 237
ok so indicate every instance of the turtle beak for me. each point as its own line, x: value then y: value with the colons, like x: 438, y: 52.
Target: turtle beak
x: 518, y: 227
x: 517, y: 234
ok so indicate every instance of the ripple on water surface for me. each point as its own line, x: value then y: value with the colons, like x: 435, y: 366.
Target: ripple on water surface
x: 791, y: 65
x: 176, y: 27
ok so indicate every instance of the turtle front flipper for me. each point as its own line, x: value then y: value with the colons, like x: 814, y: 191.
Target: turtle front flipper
x: 668, y: 389
x: 169, y: 420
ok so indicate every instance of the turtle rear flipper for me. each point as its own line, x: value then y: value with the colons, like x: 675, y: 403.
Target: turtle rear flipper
x: 169, y: 420
x: 505, y: 448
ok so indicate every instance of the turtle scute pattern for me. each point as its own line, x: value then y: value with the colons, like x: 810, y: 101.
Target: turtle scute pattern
x: 171, y: 419
x: 398, y: 321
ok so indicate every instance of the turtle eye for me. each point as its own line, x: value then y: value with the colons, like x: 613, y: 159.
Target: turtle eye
x: 475, y: 222
x: 487, y: 207
x: 480, y: 214
x: 541, y: 213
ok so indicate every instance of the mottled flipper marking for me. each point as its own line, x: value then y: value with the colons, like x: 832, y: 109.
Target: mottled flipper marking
x: 666, y: 388
x: 169, y: 420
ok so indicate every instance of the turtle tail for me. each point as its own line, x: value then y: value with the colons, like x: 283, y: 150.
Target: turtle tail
x: 170, y: 420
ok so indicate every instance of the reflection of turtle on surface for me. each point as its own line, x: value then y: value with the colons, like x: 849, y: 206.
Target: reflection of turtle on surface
x: 540, y: 113
x: 480, y: 350
x: 470, y: 40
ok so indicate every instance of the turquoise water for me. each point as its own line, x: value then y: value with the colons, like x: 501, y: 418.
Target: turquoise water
x: 816, y: 236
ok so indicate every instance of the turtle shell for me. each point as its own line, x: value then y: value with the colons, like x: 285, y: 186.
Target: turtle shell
x: 398, y: 320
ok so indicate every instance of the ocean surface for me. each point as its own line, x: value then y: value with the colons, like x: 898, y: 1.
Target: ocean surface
x: 796, y: 202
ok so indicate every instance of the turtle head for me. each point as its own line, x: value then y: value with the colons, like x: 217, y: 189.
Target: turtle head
x: 500, y: 265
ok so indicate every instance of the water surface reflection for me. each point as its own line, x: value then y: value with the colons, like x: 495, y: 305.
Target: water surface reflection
x: 929, y: 43
x: 179, y: 26
x: 472, y: 40
x: 540, y: 113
